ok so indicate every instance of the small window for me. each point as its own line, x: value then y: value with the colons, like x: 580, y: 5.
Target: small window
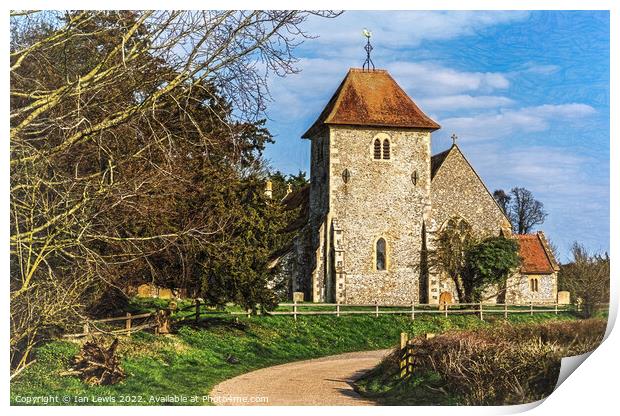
x: 386, y: 149
x: 380, y: 254
x: 534, y: 284
x: 377, y: 149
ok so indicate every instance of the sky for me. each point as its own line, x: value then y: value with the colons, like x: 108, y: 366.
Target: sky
x: 527, y: 93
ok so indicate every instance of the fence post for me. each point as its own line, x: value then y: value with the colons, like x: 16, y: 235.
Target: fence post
x: 248, y: 312
x: 505, y: 310
x: 163, y: 321
x: 295, y: 309
x: 556, y: 307
x: 481, y: 318
x: 197, y: 317
x: 413, y: 311
x: 445, y: 308
x: 531, y: 308
x: 376, y: 309
x: 338, y: 308
x: 128, y: 322
x: 403, y: 340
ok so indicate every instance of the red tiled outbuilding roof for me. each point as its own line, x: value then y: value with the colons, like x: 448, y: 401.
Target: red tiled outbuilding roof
x: 371, y: 98
x: 537, y: 258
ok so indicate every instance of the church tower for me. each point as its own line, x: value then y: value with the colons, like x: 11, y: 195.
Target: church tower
x: 370, y: 194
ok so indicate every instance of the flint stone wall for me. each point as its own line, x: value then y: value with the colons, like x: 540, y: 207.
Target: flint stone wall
x: 379, y: 200
x: 518, y: 288
x: 457, y: 191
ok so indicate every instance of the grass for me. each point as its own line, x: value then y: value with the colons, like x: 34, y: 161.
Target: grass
x: 507, y: 364
x: 193, y: 359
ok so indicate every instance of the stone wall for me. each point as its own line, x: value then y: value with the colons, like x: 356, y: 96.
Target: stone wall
x: 379, y: 200
x: 315, y: 269
x: 457, y: 191
x: 519, y: 291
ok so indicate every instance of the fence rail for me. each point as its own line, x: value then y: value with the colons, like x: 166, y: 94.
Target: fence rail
x: 479, y: 308
x: 161, y: 319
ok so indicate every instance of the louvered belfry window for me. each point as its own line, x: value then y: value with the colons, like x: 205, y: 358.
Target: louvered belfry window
x: 377, y: 149
x: 386, y: 149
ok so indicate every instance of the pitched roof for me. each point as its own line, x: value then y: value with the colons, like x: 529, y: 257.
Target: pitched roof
x: 371, y: 98
x: 536, y: 255
x: 297, y: 199
x: 437, y: 160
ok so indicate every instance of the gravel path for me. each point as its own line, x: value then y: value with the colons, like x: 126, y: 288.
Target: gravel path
x: 322, y: 381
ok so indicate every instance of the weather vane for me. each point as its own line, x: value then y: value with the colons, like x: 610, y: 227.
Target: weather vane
x: 454, y: 137
x: 367, y: 33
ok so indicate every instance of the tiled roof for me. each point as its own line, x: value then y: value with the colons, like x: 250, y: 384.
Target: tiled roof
x: 297, y: 199
x: 371, y: 98
x: 536, y: 256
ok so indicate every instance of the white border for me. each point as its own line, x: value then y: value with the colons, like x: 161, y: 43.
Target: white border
x: 590, y: 390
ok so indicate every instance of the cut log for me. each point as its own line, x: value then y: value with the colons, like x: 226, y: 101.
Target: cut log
x: 97, y: 365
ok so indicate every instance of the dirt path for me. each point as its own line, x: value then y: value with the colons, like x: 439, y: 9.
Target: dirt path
x: 322, y: 381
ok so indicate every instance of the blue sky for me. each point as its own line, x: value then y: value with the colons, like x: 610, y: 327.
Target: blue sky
x: 526, y: 92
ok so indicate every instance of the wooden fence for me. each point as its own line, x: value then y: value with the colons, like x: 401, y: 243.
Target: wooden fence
x: 481, y: 309
x: 161, y: 319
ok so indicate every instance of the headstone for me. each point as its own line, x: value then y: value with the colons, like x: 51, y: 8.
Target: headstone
x: 165, y: 293
x: 564, y: 297
x: 298, y: 297
x: 145, y: 290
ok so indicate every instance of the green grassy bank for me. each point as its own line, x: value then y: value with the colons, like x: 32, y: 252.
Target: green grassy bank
x: 194, y: 358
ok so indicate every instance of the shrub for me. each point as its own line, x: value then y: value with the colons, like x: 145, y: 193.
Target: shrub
x: 509, y: 364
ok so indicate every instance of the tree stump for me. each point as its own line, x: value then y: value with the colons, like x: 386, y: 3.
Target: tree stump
x: 97, y: 365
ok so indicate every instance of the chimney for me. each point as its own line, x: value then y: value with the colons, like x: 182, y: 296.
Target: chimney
x: 268, y: 189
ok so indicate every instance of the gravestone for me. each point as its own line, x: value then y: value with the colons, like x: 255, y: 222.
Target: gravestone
x: 563, y: 297
x: 145, y: 290
x: 164, y: 293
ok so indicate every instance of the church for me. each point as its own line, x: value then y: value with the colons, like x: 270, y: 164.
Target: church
x: 377, y: 199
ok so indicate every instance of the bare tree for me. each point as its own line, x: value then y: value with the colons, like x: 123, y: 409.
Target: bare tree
x: 448, y: 254
x: 108, y: 119
x: 587, y: 278
x: 526, y: 212
x: 521, y: 208
x: 502, y: 199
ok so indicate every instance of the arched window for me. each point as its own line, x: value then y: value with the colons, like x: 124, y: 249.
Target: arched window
x: 377, y: 149
x: 386, y: 149
x: 534, y: 284
x: 380, y: 254
x: 457, y: 228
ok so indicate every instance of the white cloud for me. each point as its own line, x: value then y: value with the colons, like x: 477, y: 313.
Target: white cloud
x: 506, y: 122
x: 542, y: 69
x: 463, y: 102
x: 431, y: 79
x: 405, y: 28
